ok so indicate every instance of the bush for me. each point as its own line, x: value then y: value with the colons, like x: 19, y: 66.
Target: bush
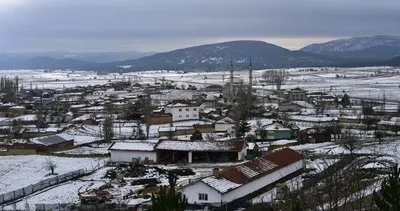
x: 145, y: 181
x: 111, y: 174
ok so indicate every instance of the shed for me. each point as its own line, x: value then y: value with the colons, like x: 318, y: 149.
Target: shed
x: 131, y: 151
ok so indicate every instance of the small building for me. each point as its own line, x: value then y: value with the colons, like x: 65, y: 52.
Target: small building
x: 314, y: 135
x: 15, y: 111
x: 296, y: 94
x: 131, y: 151
x: 236, y: 183
x: 54, y: 142
x: 181, y: 111
x: 213, y: 88
x: 288, y: 107
x: 275, y: 131
x: 18, y: 149
x: 224, y: 124
x: 200, y: 151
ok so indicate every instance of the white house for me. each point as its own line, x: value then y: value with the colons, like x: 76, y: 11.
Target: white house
x: 224, y: 124
x: 237, y: 182
x: 128, y: 151
x: 181, y: 111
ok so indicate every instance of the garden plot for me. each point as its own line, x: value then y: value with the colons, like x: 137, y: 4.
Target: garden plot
x: 20, y: 171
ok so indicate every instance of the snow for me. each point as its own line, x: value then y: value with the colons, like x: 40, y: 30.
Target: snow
x: 222, y: 185
x: 20, y: 171
x: 133, y: 146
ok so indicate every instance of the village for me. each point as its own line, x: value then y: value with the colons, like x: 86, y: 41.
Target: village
x: 235, y: 139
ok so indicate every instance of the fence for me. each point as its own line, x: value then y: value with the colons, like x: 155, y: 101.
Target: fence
x: 16, y: 194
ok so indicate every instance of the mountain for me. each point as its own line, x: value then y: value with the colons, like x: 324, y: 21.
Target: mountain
x: 61, y: 59
x: 380, y: 47
x: 218, y: 56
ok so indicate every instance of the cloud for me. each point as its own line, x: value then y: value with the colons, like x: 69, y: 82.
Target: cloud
x: 163, y: 24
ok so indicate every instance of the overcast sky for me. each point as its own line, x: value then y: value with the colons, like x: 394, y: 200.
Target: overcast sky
x: 160, y: 25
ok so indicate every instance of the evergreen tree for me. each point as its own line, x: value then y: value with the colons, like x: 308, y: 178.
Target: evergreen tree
x: 108, y: 131
x: 388, y: 198
x: 244, y: 127
x: 137, y: 132
x: 345, y: 100
x: 168, y: 199
x: 196, y: 136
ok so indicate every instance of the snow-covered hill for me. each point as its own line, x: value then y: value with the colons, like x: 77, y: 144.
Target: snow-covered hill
x: 379, y: 47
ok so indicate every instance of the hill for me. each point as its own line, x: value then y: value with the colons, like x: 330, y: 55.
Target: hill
x: 380, y: 47
x: 218, y: 56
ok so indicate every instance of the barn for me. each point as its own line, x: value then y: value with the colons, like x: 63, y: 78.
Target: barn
x: 54, y: 142
x: 175, y: 151
x: 235, y: 183
x: 130, y: 151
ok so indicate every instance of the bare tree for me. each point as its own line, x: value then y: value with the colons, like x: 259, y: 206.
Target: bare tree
x: 49, y: 165
x: 275, y: 77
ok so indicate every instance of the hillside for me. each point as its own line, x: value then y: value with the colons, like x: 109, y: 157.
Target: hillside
x: 381, y: 47
x: 218, y: 56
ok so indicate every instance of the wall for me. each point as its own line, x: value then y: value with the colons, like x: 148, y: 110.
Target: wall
x: 242, y: 154
x: 262, y: 182
x: 192, y: 194
x: 127, y: 156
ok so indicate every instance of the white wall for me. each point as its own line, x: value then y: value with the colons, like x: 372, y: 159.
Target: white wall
x: 183, y: 113
x: 262, y: 182
x: 242, y: 154
x: 127, y: 156
x: 220, y: 127
x: 192, y: 194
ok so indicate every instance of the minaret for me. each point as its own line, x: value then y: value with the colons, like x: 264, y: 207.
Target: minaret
x: 250, y: 88
x: 250, y: 77
x: 231, y: 91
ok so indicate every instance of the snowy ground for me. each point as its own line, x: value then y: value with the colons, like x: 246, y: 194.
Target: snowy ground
x: 20, y: 171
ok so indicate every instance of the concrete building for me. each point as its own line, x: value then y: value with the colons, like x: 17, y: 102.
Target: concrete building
x: 130, y: 151
x: 237, y: 183
x: 181, y: 111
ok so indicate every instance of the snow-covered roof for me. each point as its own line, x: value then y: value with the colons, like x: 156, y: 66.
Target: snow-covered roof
x: 312, y: 118
x: 276, y: 126
x: 54, y: 139
x: 222, y: 185
x: 26, y: 118
x: 132, y: 146
x: 201, y: 145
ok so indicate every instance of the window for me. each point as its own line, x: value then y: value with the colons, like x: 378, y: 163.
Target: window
x: 187, y: 109
x: 187, y: 115
x: 180, y: 109
x: 203, y: 197
x: 194, y: 115
x: 194, y: 109
x: 180, y: 116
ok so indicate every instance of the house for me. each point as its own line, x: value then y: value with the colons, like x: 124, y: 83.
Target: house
x: 15, y: 111
x: 296, y: 94
x: 224, y: 124
x: 200, y: 151
x: 314, y: 135
x: 235, y: 183
x: 54, y: 142
x: 213, y: 88
x: 183, y: 111
x: 130, y: 151
x: 275, y: 131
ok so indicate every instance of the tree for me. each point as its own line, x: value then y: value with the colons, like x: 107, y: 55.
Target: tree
x: 244, y: 127
x: 350, y: 142
x: 49, y: 165
x: 137, y: 131
x: 379, y: 136
x: 388, y: 198
x: 274, y: 77
x: 168, y: 199
x: 108, y: 131
x: 196, y: 136
x: 345, y: 100
x: 367, y: 108
x: 369, y: 121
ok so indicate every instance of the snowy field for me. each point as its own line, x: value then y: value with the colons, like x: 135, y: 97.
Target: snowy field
x: 20, y: 171
x: 358, y: 82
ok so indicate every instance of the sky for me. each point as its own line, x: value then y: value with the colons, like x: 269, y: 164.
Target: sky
x: 162, y: 25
